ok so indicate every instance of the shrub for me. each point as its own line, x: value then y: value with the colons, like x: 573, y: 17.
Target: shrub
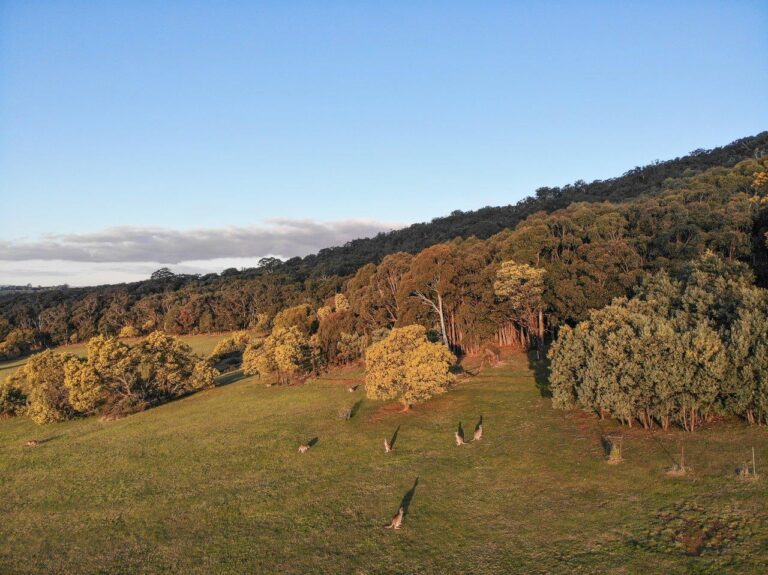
x: 41, y: 379
x: 13, y: 400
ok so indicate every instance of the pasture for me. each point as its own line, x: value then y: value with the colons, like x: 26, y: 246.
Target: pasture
x: 213, y: 483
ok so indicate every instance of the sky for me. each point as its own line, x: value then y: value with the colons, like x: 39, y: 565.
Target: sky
x: 205, y: 135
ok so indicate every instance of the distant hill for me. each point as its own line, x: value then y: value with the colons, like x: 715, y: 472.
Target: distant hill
x: 485, y: 222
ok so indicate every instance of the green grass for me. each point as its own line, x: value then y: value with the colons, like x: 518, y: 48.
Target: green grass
x: 213, y: 483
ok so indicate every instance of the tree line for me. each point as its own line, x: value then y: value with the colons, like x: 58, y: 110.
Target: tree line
x: 235, y: 299
x: 553, y: 271
x: 585, y: 254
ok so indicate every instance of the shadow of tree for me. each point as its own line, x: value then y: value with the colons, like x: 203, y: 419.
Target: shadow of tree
x: 227, y: 378
x: 540, y: 368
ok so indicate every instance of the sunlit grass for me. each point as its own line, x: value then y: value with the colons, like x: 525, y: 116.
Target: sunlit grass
x: 213, y: 483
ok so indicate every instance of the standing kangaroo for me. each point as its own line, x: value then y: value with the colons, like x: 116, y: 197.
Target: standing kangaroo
x: 459, y: 439
x: 303, y: 448
x: 397, y: 520
x: 387, y: 446
x: 478, y: 432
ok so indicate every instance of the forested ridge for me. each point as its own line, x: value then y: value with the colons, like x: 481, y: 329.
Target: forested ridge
x: 487, y: 221
x: 595, y: 241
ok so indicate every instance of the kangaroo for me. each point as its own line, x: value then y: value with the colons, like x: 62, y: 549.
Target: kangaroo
x: 32, y: 443
x: 397, y: 520
x: 387, y: 446
x: 459, y: 439
x: 478, y: 433
x: 352, y: 388
x: 303, y: 448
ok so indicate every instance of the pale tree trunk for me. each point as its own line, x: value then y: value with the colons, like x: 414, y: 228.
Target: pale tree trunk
x: 438, y: 307
x: 442, y: 319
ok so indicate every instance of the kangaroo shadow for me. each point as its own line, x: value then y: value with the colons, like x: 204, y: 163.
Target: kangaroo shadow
x: 405, y: 503
x: 394, y: 438
x: 460, y: 431
x: 355, y: 408
x: 540, y: 368
x: 48, y: 439
x: 312, y: 442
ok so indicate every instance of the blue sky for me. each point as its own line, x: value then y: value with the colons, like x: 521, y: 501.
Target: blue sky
x: 288, y: 125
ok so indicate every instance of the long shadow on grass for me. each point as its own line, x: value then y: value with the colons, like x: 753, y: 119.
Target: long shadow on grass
x: 48, y: 439
x: 312, y: 442
x: 408, y: 497
x: 540, y: 368
x: 394, y: 438
x: 231, y: 377
x: 355, y: 408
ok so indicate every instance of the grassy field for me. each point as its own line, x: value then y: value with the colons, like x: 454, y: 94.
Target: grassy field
x: 213, y: 483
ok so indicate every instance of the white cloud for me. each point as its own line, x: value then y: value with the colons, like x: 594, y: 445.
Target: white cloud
x: 129, y: 253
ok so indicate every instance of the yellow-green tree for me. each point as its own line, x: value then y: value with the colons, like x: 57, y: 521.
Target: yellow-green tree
x: 254, y: 358
x: 286, y: 353
x: 341, y: 303
x: 407, y: 367
x: 171, y: 367
x: 129, y: 331
x: 41, y: 379
x: 301, y: 316
x: 521, y: 286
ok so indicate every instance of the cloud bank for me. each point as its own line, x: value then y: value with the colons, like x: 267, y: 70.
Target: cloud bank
x: 128, y: 253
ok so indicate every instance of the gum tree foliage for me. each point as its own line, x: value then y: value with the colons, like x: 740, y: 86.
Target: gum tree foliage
x: 114, y: 379
x: 19, y: 342
x: 681, y: 351
x: 129, y: 331
x: 407, y: 367
x: 285, y: 353
x: 522, y: 287
x: 41, y: 381
x: 591, y: 249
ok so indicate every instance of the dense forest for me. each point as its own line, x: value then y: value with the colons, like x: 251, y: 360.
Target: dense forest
x: 594, y: 242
